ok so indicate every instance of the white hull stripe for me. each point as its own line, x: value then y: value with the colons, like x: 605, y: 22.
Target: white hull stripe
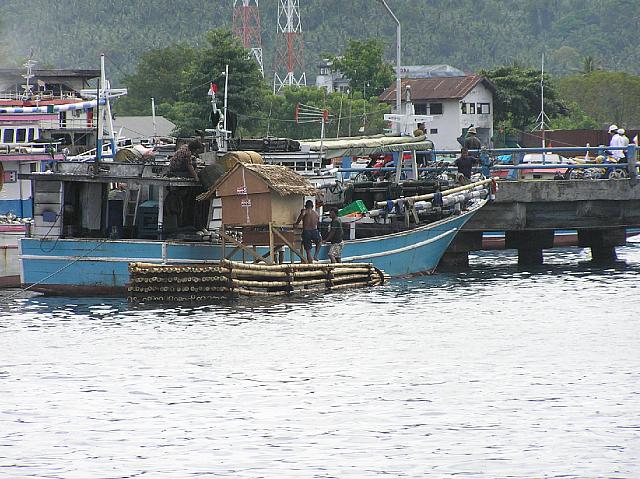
x: 401, y: 250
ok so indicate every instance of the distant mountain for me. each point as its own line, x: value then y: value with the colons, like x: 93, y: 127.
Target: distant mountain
x: 468, y: 34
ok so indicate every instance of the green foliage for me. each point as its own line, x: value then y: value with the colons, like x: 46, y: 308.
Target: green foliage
x: 363, y: 64
x: 518, y: 97
x: 278, y: 112
x: 466, y: 34
x: 178, y: 77
x: 607, y: 97
x: 576, y: 119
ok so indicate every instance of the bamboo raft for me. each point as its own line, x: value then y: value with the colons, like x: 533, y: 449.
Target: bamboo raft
x: 149, y: 282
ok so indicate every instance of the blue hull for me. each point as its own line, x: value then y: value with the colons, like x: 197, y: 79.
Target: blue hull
x: 86, y: 266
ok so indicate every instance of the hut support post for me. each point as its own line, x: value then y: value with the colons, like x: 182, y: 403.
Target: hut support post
x: 161, y: 213
x: 240, y: 246
x: 272, y: 252
x: 286, y: 242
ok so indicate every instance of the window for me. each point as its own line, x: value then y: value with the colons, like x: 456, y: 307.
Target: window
x: 420, y: 108
x: 21, y: 135
x: 435, y: 108
x: 468, y: 108
x: 484, y: 108
x: 7, y: 135
x: 433, y: 131
x: 32, y: 135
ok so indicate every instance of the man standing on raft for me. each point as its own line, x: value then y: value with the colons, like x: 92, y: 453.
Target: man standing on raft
x: 310, y: 233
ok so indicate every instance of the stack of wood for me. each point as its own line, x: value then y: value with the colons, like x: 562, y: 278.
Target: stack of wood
x: 168, y: 283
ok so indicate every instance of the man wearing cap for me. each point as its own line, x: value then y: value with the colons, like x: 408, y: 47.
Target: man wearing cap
x: 471, y: 142
x: 615, y: 141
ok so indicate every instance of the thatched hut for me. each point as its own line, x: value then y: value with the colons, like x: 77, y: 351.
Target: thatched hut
x: 254, y: 194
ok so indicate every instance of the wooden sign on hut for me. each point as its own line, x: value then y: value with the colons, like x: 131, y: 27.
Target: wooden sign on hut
x: 254, y: 194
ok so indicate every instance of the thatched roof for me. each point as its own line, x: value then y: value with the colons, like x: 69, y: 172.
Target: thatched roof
x: 280, y: 179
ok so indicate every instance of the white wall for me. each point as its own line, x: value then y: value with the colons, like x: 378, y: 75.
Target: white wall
x: 480, y: 94
x: 447, y: 125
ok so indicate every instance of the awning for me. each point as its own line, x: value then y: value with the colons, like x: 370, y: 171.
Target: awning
x: 365, y: 146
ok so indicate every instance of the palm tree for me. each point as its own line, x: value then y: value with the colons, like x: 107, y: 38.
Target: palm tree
x: 589, y: 65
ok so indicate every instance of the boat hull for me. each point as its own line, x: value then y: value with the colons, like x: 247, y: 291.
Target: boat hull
x: 100, y: 267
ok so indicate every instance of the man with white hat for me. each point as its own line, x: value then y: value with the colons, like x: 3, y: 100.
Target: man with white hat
x: 615, y: 141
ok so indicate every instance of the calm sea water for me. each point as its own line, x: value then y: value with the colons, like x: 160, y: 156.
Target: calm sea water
x: 494, y: 373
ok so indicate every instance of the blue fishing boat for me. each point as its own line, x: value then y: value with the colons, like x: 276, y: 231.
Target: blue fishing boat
x: 82, y: 243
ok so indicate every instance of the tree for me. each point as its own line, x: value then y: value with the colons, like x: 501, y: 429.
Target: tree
x: 518, y: 96
x: 607, y: 97
x: 179, y: 77
x: 363, y: 64
x: 589, y: 65
x: 348, y: 116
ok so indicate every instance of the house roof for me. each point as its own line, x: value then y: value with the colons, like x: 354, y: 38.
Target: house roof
x: 437, y: 88
x: 137, y: 127
x: 280, y: 179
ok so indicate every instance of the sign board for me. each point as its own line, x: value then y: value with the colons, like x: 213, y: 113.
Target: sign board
x: 245, y: 203
x: 10, y: 176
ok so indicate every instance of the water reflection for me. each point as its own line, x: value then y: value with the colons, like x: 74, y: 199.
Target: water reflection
x: 494, y: 372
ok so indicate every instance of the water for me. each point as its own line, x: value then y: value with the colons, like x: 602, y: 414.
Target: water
x: 491, y: 374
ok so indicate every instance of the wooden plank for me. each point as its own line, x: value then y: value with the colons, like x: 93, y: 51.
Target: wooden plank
x: 237, y: 243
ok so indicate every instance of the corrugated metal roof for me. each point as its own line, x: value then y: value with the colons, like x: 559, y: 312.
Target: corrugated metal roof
x: 439, y: 88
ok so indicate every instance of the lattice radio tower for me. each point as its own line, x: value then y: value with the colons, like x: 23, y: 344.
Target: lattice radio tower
x: 246, y: 26
x: 289, y: 66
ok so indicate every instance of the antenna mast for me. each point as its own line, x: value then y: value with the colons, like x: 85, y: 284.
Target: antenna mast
x: 543, y: 119
x: 289, y: 67
x: 246, y: 26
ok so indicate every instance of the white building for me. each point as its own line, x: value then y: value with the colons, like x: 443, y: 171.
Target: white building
x: 330, y: 80
x: 455, y: 103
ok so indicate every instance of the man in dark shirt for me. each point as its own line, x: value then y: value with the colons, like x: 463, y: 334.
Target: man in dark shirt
x: 335, y: 236
x: 181, y: 164
x: 465, y: 164
x: 471, y: 142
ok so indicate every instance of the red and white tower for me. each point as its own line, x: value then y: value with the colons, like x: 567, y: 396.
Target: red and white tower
x: 289, y: 66
x: 246, y: 26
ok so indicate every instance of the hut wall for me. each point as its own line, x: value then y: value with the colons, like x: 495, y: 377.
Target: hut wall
x: 285, y: 209
x: 258, y: 213
x: 233, y: 184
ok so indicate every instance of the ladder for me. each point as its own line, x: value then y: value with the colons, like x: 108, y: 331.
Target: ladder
x: 131, y: 202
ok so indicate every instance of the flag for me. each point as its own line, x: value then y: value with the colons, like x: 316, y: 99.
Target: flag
x: 213, y: 89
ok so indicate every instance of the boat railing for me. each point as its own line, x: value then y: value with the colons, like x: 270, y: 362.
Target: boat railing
x: 34, y: 148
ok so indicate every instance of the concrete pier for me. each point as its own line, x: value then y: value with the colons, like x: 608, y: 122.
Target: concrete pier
x: 529, y: 212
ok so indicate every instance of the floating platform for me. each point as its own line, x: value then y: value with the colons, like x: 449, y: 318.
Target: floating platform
x: 150, y: 282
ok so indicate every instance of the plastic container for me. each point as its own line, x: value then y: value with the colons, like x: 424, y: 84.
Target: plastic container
x: 355, y: 207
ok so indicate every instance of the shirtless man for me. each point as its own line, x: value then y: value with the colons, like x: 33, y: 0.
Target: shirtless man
x: 310, y: 233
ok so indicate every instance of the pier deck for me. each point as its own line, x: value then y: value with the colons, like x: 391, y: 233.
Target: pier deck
x: 529, y: 212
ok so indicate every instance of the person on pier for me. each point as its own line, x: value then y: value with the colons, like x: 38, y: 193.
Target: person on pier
x: 310, y: 233
x: 335, y: 236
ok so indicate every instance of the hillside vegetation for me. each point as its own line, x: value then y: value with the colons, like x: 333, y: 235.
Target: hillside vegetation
x: 467, y: 34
